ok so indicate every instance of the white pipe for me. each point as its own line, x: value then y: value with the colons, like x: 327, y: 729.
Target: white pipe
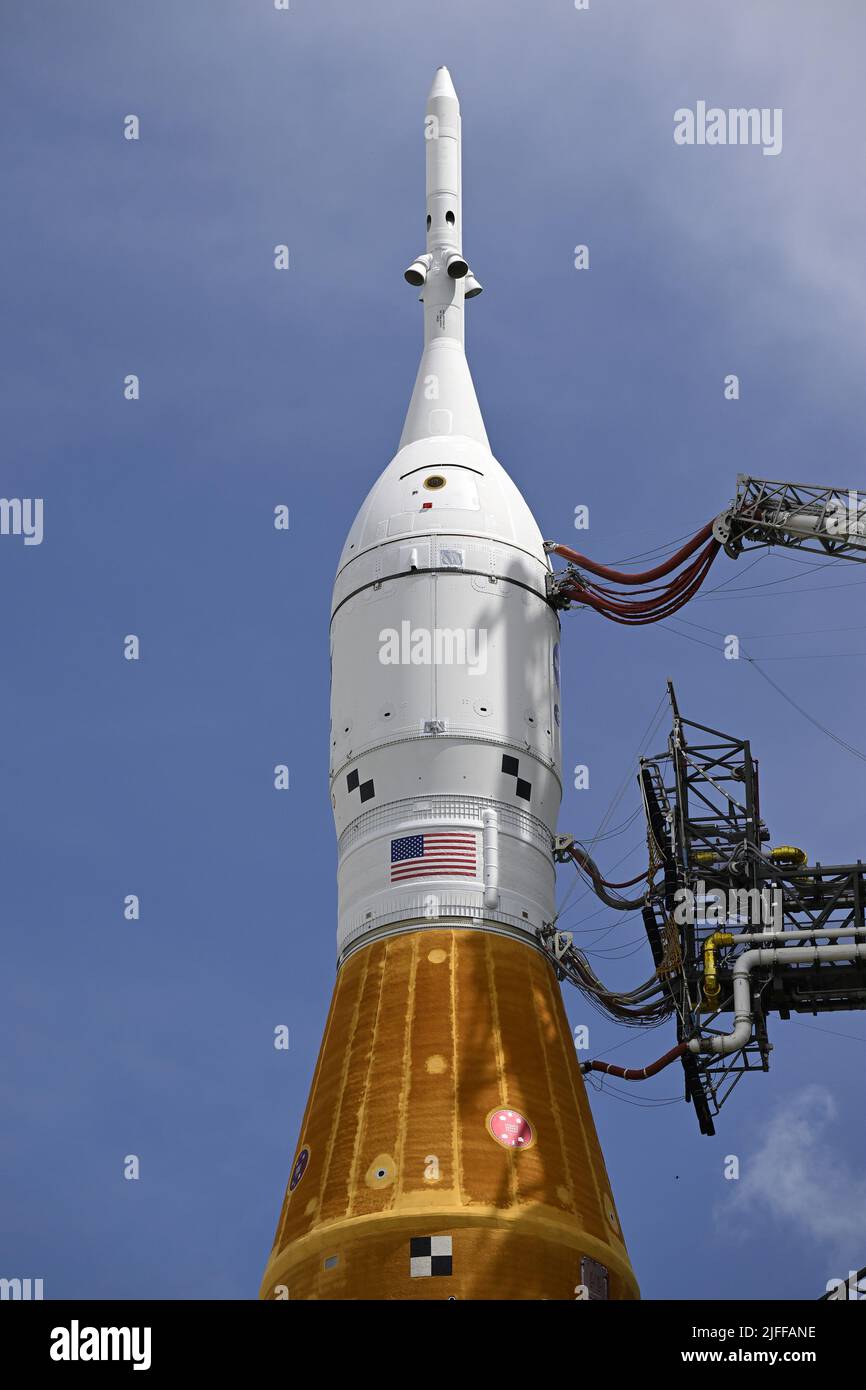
x: 490, y: 845
x: 799, y: 934
x: 725, y: 1043
x: 841, y: 522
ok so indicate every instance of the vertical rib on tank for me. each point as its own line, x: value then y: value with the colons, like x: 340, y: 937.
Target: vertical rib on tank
x: 445, y: 697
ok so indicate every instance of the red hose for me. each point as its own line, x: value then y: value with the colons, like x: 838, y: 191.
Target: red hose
x: 636, y: 613
x: 581, y: 858
x: 651, y: 602
x: 656, y: 592
x: 695, y: 571
x: 637, y: 1073
x: 629, y: 882
x: 625, y: 577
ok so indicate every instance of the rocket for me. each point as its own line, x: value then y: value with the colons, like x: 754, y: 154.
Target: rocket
x: 447, y: 1149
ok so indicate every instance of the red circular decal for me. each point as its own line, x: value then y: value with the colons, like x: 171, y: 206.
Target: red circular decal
x: 511, y: 1129
x: 300, y: 1168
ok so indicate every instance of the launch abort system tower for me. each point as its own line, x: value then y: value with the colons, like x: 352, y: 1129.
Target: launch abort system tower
x: 447, y: 1148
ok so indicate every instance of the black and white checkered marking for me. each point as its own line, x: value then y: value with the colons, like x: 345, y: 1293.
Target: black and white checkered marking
x: 429, y: 1255
x: 354, y: 783
x: 512, y: 767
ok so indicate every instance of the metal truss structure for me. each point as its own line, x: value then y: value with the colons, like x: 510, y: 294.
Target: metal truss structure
x: 800, y: 516
x: 703, y: 810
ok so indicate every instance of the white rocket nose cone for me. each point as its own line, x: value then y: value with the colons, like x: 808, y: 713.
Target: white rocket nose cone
x: 442, y: 85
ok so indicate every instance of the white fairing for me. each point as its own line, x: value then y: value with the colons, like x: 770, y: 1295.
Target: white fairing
x: 445, y: 659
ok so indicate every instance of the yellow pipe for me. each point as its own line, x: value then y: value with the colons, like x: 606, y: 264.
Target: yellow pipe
x: 712, y: 988
x: 789, y: 854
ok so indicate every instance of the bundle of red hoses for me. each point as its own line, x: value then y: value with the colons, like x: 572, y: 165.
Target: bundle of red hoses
x: 651, y: 602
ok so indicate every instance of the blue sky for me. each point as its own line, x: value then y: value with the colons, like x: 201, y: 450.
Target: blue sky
x: 601, y: 388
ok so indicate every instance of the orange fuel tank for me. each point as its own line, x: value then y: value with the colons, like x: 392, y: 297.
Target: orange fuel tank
x: 447, y: 1149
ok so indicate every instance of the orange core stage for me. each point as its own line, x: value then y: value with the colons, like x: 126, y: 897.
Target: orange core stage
x: 448, y: 1149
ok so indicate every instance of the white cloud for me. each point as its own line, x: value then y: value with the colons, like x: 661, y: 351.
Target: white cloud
x: 797, y: 1179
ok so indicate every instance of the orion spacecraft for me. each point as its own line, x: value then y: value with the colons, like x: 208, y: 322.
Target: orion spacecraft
x: 447, y: 1149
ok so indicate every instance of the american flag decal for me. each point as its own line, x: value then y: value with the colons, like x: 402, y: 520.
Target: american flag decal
x: 440, y: 854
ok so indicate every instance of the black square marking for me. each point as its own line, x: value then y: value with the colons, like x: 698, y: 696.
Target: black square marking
x: 353, y: 783
x: 511, y: 766
x: 430, y: 1256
